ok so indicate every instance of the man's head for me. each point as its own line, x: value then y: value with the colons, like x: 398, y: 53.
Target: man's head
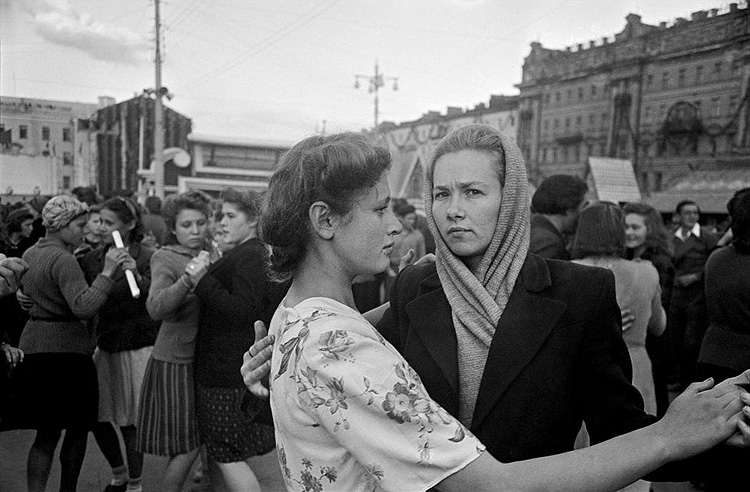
x: 562, y: 195
x: 688, y: 213
x: 407, y: 215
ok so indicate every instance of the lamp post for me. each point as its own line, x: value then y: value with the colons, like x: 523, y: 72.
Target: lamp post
x: 375, y: 82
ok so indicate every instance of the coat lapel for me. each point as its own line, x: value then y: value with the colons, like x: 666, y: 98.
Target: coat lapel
x: 526, y: 323
x: 430, y: 317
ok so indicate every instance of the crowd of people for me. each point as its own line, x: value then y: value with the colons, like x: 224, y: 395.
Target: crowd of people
x: 531, y: 331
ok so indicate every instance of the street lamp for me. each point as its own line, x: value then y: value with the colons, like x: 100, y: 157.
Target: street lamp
x: 375, y: 82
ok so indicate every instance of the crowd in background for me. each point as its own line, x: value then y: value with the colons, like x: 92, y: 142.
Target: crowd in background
x: 142, y: 339
x: 161, y: 369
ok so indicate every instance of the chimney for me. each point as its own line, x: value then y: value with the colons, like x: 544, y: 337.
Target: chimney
x: 713, y: 12
x: 105, y: 101
x: 453, y: 111
x: 605, y: 41
x: 732, y: 7
x: 662, y: 25
x: 592, y: 44
x: 699, y: 15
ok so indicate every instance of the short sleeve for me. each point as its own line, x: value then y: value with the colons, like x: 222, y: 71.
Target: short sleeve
x: 357, y: 387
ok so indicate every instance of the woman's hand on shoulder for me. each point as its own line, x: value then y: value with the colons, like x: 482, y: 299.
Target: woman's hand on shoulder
x: 256, y: 362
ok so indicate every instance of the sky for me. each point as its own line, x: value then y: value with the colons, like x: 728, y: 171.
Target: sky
x: 285, y: 69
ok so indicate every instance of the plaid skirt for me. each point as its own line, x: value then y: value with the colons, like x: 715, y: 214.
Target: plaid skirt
x: 167, y: 424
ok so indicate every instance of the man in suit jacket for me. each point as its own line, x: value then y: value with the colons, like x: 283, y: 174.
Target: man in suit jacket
x: 556, y: 203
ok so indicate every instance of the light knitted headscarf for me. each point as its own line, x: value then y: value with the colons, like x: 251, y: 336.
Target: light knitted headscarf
x: 478, y: 298
x: 60, y: 211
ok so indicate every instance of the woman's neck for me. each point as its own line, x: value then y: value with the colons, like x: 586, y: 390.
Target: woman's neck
x: 15, y: 237
x: 638, y: 252
x: 314, y: 278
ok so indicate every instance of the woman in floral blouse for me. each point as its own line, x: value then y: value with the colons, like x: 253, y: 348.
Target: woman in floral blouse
x: 350, y: 414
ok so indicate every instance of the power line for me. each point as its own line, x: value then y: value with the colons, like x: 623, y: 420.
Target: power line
x: 263, y: 45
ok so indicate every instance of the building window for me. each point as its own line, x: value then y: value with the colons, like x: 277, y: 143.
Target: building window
x: 66, y: 182
x: 593, y: 91
x: 699, y: 74
x: 67, y: 158
x: 681, y: 78
x: 570, y: 95
x: 592, y: 120
x: 579, y: 120
x: 715, y: 107
x: 665, y: 80
x: 604, y: 119
x: 577, y: 150
x: 697, y: 104
x: 544, y: 155
x: 736, y: 67
x: 45, y: 133
x: 556, y: 124
x: 717, y: 69
x: 546, y: 98
x: 66, y: 134
x: 567, y: 123
x: 590, y: 150
x: 565, y: 154
x: 554, y: 154
x: 647, y: 113
x: 23, y: 132
x: 658, y: 177
x: 557, y: 97
x: 649, y: 81
x: 662, y: 110
x: 732, y: 106
x: 602, y: 149
x: 580, y: 94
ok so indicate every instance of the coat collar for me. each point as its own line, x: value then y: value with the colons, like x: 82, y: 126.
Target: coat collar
x: 526, y: 323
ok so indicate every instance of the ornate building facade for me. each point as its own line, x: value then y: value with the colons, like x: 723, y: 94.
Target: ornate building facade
x: 672, y: 99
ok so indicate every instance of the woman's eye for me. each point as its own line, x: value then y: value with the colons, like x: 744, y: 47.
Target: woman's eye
x: 439, y: 194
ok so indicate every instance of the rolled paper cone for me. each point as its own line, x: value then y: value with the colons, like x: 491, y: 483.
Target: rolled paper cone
x: 134, y: 290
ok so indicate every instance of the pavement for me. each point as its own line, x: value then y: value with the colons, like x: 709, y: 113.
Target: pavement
x: 96, y: 473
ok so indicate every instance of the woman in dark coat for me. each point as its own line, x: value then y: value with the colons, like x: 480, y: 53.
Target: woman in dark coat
x: 234, y: 292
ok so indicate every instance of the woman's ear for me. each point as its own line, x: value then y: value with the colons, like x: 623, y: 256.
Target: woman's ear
x: 323, y: 220
x: 131, y: 225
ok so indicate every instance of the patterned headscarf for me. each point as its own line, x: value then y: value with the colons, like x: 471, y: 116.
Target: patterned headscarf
x: 60, y: 211
x: 478, y: 299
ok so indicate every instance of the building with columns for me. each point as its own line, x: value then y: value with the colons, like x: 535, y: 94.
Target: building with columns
x: 673, y: 99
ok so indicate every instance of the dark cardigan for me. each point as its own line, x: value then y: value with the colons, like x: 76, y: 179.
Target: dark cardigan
x: 234, y: 293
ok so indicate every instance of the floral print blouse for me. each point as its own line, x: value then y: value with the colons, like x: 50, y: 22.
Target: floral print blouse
x: 350, y: 414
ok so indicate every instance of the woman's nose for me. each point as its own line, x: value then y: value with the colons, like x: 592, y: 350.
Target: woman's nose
x: 455, y: 208
x: 394, y: 225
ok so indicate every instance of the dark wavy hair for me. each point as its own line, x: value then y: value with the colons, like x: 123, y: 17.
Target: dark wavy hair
x: 335, y: 169
x: 739, y: 211
x: 174, y: 204
x: 127, y: 211
x: 658, y: 240
x: 247, y: 201
x: 600, y: 231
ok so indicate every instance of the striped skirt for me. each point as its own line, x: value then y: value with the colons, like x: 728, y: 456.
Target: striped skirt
x: 167, y: 423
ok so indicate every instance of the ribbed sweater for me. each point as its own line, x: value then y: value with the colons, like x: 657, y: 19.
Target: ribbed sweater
x: 171, y: 302
x: 56, y: 284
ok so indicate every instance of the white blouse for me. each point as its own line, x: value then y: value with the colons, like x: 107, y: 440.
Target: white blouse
x: 350, y: 413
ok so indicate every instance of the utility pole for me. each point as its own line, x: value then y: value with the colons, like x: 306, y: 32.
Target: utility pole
x: 375, y: 83
x: 158, y: 161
